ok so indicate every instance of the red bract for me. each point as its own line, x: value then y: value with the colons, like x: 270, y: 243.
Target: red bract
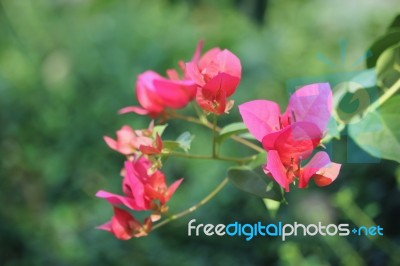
x: 320, y: 168
x: 129, y: 141
x: 154, y: 149
x: 292, y: 137
x: 141, y: 187
x: 217, y: 74
x: 155, y: 93
x: 156, y: 187
x: 294, y: 142
x: 124, y: 226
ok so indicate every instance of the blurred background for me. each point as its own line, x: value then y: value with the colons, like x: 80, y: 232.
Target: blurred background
x: 67, y: 66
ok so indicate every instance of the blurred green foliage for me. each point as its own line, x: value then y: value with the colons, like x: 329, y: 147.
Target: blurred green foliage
x: 66, y: 67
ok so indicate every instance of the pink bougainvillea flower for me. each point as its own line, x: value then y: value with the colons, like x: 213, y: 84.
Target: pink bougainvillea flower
x: 141, y: 187
x: 155, y: 93
x: 320, y: 168
x: 292, y: 136
x: 311, y: 103
x: 124, y: 226
x: 129, y: 141
x: 217, y: 74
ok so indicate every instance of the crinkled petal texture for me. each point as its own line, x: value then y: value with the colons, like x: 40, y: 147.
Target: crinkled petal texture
x: 321, y: 169
x: 293, y: 143
x: 261, y: 117
x: 311, y: 103
x: 276, y: 169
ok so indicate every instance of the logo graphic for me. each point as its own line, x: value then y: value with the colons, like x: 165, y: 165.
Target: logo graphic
x: 282, y: 230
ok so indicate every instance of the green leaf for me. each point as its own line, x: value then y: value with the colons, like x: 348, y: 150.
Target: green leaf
x: 170, y: 145
x: 365, y: 79
x: 185, y: 140
x: 382, y: 44
x: 247, y: 136
x: 230, y: 130
x: 159, y: 129
x: 182, y: 142
x: 260, y: 159
x: 378, y: 133
x: 395, y: 23
x: 388, y: 67
x: 251, y: 182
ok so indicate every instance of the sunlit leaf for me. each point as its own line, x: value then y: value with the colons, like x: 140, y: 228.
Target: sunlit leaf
x: 260, y: 159
x: 159, y: 129
x: 388, y: 67
x: 378, y: 133
x: 230, y: 130
x: 381, y: 45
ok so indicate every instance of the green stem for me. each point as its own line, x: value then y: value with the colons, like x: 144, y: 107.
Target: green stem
x: 214, y: 141
x: 381, y: 100
x: 208, y: 157
x: 204, y: 122
x: 194, y: 207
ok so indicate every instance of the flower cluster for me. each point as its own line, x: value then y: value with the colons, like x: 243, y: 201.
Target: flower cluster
x: 210, y: 79
x: 291, y: 137
x: 144, y: 185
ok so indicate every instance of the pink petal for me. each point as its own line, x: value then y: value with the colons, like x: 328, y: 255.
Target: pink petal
x: 229, y: 84
x: 321, y: 169
x: 133, y: 183
x: 277, y: 170
x: 211, y: 98
x: 192, y: 73
x: 175, y: 94
x: 294, y: 142
x: 120, y: 200
x: 123, y: 224
x: 230, y: 64
x: 126, y: 134
x: 110, y: 142
x: 106, y: 226
x: 146, y: 94
x: 261, y: 117
x: 172, y: 188
x: 208, y: 57
x: 172, y: 74
x: 133, y: 109
x: 197, y: 53
x: 311, y: 103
